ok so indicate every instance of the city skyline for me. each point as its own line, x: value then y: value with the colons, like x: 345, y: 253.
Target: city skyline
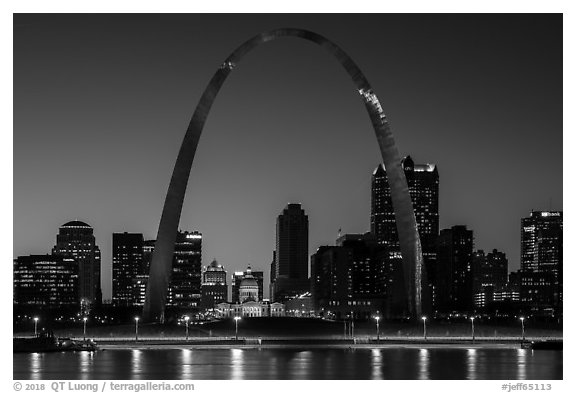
x: 126, y: 191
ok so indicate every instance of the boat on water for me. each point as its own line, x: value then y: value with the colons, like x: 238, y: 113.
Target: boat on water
x: 47, y: 342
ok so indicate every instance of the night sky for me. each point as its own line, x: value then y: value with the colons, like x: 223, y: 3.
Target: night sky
x: 102, y: 102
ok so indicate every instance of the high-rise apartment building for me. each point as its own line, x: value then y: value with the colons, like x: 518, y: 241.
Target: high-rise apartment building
x: 127, y: 255
x: 76, y: 240
x: 454, y: 269
x: 423, y: 185
x: 291, y: 264
x: 49, y: 281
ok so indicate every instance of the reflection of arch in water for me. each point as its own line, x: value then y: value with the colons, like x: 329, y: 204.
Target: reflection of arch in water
x: 161, y: 265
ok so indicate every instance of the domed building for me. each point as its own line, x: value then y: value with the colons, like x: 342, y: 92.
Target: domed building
x: 248, y: 287
x: 249, y: 304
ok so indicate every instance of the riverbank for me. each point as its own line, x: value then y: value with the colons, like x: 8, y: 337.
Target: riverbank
x: 277, y: 343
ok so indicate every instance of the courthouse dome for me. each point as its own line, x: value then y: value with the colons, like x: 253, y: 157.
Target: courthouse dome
x: 73, y: 224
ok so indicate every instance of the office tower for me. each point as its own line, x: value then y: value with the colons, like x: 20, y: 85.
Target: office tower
x: 454, y: 274
x: 237, y: 278
x: 76, y: 240
x: 127, y: 254
x: 353, y: 277
x: 214, y: 288
x: 184, y: 290
x: 291, y: 267
x: 272, y: 274
x: 147, y: 250
x: 423, y: 184
x: 46, y: 280
x: 489, y: 276
x: 541, y: 259
x: 140, y: 281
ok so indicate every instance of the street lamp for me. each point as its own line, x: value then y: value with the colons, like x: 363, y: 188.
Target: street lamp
x: 424, y: 320
x: 186, y: 318
x: 522, y: 321
x: 352, y: 325
x: 136, y: 319
x: 85, y: 319
x: 377, y: 328
x: 35, y: 326
x: 472, y: 320
x: 236, y: 319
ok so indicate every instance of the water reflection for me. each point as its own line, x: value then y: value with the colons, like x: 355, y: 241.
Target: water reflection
x: 522, y: 363
x: 471, y: 359
x: 36, y: 365
x: 287, y: 363
x: 376, y: 364
x: 237, y: 363
x: 186, y: 361
x: 424, y: 359
x: 136, y: 362
x: 301, y: 365
x: 86, y: 363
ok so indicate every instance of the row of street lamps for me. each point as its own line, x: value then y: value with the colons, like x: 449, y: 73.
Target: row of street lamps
x: 377, y: 318
x: 237, y: 318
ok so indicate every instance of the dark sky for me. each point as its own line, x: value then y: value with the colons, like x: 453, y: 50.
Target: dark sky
x: 102, y: 102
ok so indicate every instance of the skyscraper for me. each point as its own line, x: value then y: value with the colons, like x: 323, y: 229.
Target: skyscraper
x: 184, y: 290
x: 291, y: 265
x: 127, y: 254
x: 46, y: 281
x: 489, y: 276
x: 352, y: 277
x: 214, y: 288
x: 541, y: 259
x: 76, y: 240
x: 454, y: 269
x: 423, y: 185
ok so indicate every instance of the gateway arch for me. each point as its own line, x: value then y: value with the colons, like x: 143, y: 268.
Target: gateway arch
x: 161, y: 264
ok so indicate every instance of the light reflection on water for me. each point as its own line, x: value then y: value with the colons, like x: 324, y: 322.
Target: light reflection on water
x: 136, y: 362
x: 381, y: 363
x: 376, y: 364
x: 472, y: 363
x: 237, y: 363
x: 424, y: 357
x: 522, y: 363
x: 186, y: 361
x: 86, y: 362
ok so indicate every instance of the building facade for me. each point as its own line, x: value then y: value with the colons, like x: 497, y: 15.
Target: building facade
x: 489, y: 277
x: 76, y: 240
x: 237, y: 279
x: 184, y: 290
x: 423, y: 185
x: 249, y: 303
x: 454, y: 270
x: 127, y: 255
x: 541, y: 260
x: 291, y: 263
x: 214, y: 287
x: 49, y: 281
x: 355, y: 276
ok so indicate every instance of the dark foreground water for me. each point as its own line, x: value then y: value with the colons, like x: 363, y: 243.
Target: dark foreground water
x: 198, y: 364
